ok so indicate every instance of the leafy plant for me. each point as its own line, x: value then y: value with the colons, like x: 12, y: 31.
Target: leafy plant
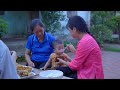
x: 21, y: 59
x: 3, y: 27
x: 114, y: 24
x: 101, y: 33
x: 102, y: 25
x: 52, y: 20
x: 99, y: 17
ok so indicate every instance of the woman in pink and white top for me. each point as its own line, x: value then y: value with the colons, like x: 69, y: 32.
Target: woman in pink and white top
x: 87, y: 63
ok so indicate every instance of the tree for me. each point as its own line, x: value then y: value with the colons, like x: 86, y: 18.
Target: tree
x: 100, y: 25
x: 3, y: 27
x: 100, y: 17
x: 101, y: 33
x: 114, y: 24
x: 52, y: 19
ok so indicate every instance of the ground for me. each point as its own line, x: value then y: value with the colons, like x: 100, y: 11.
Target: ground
x: 111, y: 64
x: 110, y: 60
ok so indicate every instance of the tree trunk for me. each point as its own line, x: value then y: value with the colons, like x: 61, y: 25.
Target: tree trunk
x: 71, y: 13
x: 32, y: 15
x: 119, y: 30
x: 40, y: 16
x: 114, y: 13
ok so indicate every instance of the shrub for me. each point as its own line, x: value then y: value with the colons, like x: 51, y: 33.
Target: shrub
x: 101, y: 33
x: 3, y: 27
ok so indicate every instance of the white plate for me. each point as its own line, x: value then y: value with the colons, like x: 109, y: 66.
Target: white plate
x: 51, y: 74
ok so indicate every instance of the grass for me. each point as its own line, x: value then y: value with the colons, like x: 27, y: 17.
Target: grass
x: 21, y: 59
x: 113, y: 49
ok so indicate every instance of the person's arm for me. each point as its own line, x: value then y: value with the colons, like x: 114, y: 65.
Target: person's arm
x: 28, y: 59
x: 66, y: 61
x: 67, y: 57
x: 28, y: 51
x: 63, y: 61
x: 7, y: 67
x: 82, y: 52
x: 71, y: 48
x: 52, y: 40
x: 47, y: 64
x: 14, y: 56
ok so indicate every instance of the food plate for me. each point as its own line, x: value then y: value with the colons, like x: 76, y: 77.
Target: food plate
x: 22, y: 67
x: 51, y: 74
x: 25, y: 72
x: 32, y: 74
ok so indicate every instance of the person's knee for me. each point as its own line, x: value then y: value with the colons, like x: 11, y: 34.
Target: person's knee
x: 59, y: 68
x: 42, y: 64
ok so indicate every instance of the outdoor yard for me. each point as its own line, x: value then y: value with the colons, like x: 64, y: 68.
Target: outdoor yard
x: 103, y: 26
x: 111, y: 60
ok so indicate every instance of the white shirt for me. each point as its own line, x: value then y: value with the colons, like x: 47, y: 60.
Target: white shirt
x: 7, y: 68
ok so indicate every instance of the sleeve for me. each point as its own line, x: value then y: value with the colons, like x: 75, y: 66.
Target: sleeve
x: 52, y: 39
x: 82, y: 52
x: 29, y: 43
x: 7, y: 67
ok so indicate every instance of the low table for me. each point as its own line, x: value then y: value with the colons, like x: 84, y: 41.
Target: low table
x: 37, y: 71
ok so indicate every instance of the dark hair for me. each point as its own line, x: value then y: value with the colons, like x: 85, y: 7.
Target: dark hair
x: 36, y: 22
x: 80, y: 24
x: 57, y: 42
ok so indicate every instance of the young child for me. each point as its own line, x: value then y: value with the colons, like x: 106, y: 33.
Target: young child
x: 58, y: 53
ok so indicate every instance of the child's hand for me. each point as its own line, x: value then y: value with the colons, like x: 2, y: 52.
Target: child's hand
x: 43, y: 68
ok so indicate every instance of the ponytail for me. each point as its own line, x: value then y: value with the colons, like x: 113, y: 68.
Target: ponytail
x: 92, y: 36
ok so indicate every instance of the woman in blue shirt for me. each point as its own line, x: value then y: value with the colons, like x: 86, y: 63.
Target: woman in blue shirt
x: 39, y: 45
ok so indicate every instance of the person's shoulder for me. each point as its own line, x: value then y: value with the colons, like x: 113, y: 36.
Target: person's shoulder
x: 50, y: 35
x: 53, y: 55
x: 86, y: 39
x: 3, y: 47
x: 31, y: 36
x: 87, y: 42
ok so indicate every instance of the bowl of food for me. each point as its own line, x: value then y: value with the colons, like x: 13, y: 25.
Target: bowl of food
x: 22, y: 68
x: 25, y: 72
x: 51, y: 74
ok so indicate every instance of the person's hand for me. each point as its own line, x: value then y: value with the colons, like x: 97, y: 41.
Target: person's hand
x: 43, y: 68
x: 14, y: 54
x: 71, y: 48
x: 30, y: 63
x: 62, y: 61
x: 57, y: 63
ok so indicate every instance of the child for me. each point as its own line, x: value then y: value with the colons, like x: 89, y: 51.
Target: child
x: 58, y: 53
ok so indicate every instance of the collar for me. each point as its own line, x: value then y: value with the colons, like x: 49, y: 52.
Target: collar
x: 35, y: 38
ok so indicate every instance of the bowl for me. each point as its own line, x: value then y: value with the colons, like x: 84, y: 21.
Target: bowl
x: 51, y: 74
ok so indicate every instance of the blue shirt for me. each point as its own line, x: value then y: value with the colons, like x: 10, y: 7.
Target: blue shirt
x: 40, y: 50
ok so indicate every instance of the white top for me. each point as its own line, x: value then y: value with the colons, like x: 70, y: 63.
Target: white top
x: 7, y: 68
